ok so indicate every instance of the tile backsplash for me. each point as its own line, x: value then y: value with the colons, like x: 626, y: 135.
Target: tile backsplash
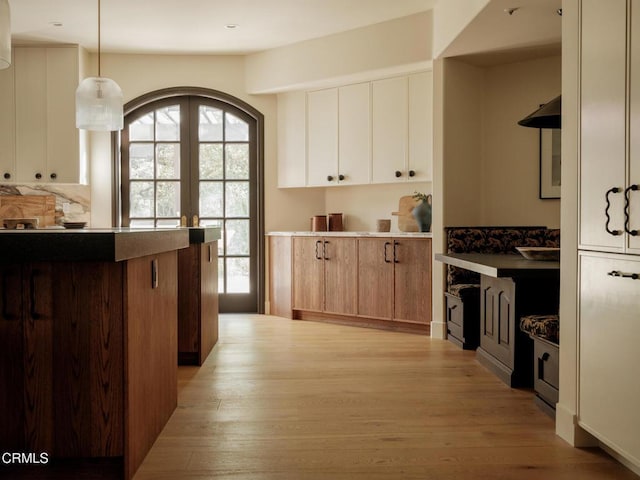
x: 73, y: 201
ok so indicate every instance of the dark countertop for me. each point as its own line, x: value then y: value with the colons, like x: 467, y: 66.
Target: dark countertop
x: 499, y: 264
x: 110, y: 245
x: 204, y: 234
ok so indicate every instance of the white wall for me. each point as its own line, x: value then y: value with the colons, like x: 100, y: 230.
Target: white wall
x: 450, y: 18
x: 397, y: 46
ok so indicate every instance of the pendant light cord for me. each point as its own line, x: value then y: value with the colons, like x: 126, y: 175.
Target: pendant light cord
x: 99, y: 38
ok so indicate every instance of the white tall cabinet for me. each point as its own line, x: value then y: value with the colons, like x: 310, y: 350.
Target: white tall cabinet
x: 609, y: 260
x: 39, y: 140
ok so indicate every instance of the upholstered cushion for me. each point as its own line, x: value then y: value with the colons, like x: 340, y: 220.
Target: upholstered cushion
x: 461, y: 289
x: 544, y: 326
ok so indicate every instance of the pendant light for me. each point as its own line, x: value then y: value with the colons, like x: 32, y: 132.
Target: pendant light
x: 5, y: 34
x: 548, y: 115
x: 99, y: 100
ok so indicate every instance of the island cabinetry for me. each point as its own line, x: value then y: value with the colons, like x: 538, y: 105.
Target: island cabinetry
x: 325, y: 274
x: 394, y: 279
x: 89, y: 349
x: 197, y: 302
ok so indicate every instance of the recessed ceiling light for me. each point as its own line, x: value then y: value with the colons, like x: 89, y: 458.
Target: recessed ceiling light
x: 56, y: 24
x: 511, y: 10
x: 231, y: 26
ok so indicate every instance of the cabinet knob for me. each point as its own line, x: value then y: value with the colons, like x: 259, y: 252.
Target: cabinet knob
x: 7, y: 176
x: 329, y: 178
x: 53, y: 176
x: 38, y: 176
x: 340, y: 177
x: 398, y: 173
x: 412, y: 173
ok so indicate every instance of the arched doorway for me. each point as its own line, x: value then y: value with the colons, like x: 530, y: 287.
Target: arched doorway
x: 192, y: 156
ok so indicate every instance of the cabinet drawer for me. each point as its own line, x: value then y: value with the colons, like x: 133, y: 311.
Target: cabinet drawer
x: 546, y: 370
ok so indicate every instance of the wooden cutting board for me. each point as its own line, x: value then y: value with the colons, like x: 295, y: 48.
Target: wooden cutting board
x: 406, y: 222
x: 42, y: 207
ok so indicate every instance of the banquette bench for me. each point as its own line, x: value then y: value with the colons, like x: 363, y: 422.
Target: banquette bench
x: 462, y: 295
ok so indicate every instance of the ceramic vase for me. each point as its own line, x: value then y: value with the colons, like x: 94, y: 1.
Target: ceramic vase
x: 422, y: 214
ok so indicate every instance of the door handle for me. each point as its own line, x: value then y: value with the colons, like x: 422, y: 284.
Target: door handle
x: 606, y: 211
x: 627, y: 194
x: 33, y: 310
x: 395, y: 252
x: 318, y: 257
x: 324, y: 250
x: 617, y: 273
x: 386, y: 244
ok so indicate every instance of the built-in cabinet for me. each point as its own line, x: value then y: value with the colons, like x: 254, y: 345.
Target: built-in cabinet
x: 374, y: 281
x: 325, y: 274
x: 370, y: 132
x: 609, y: 222
x: 392, y: 273
x: 39, y: 140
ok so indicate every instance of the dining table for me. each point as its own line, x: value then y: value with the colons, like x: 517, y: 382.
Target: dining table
x: 511, y: 287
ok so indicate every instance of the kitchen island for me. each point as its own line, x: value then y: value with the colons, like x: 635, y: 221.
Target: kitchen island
x: 88, y: 357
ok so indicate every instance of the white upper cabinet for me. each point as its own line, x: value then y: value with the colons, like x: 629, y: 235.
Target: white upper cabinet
x: 322, y: 137
x: 7, y: 126
x: 292, y: 139
x: 354, y: 134
x: 420, y: 158
x: 390, y: 129
x: 46, y: 142
x: 370, y: 132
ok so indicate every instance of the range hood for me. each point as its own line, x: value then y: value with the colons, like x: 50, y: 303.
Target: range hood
x: 547, y: 116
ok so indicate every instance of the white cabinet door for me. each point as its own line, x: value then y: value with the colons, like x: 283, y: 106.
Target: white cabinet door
x: 62, y: 162
x: 31, y: 113
x: 609, y: 332
x: 7, y: 126
x: 389, y: 129
x: 603, y: 149
x: 420, y: 156
x: 46, y: 138
x: 634, y: 133
x: 354, y: 134
x: 322, y: 137
x: 292, y: 139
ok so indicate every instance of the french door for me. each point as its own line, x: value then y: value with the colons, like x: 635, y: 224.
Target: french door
x: 192, y: 160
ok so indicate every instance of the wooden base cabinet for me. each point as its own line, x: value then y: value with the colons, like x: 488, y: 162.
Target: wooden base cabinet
x: 89, y: 349
x: 325, y: 274
x: 380, y: 282
x: 197, y: 302
x: 394, y: 279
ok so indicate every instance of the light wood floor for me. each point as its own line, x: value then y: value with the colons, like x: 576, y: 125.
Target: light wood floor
x: 282, y: 399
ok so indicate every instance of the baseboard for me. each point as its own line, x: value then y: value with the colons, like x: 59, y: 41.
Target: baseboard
x: 439, y: 330
x: 568, y: 429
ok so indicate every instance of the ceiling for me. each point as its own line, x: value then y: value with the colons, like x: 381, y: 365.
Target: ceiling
x: 197, y: 26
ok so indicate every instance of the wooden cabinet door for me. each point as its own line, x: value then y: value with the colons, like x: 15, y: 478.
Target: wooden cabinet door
x: 497, y: 318
x: 308, y: 274
x: 609, y: 329
x: 389, y: 129
x: 208, y: 299
x: 603, y: 123
x: 322, y: 137
x: 412, y: 279
x: 12, y: 296
x: 375, y: 277
x: 354, y: 138
x: 340, y: 275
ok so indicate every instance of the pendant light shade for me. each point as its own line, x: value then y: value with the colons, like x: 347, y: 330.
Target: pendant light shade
x: 5, y: 34
x: 99, y: 105
x: 547, y: 116
x: 99, y: 101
